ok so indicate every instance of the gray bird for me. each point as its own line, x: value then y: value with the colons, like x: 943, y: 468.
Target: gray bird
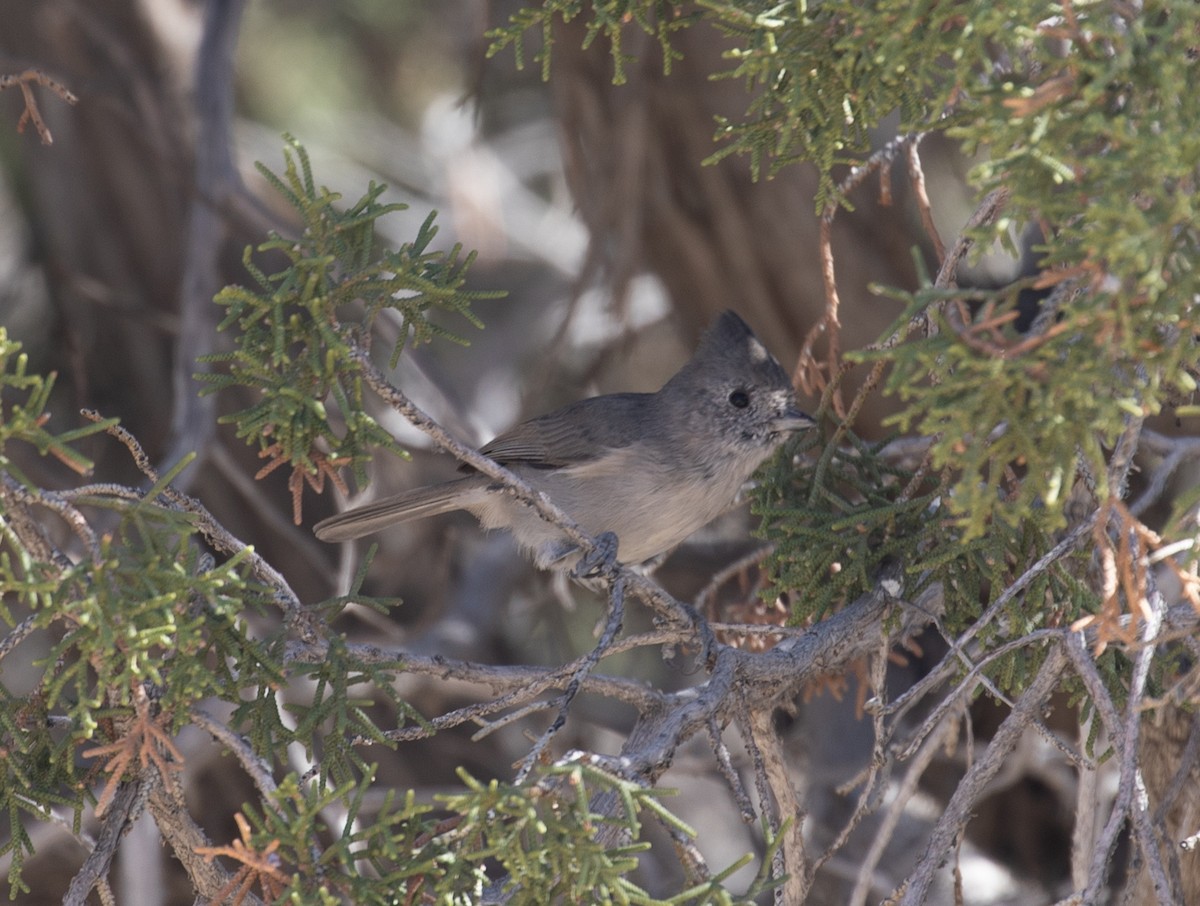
x: 651, y: 468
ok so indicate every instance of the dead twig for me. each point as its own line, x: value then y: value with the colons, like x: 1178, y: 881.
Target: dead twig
x: 31, y: 114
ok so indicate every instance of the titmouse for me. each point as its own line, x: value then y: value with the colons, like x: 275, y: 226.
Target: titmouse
x: 651, y: 468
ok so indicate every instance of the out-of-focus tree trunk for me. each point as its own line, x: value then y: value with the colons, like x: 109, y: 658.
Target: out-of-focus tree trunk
x: 107, y: 201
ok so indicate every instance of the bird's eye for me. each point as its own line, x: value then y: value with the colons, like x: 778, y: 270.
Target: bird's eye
x: 739, y: 399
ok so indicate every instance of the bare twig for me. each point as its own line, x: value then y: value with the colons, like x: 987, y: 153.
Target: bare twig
x: 949, y: 663
x: 769, y: 762
x: 1130, y: 804
x: 488, y: 727
x: 17, y: 499
x: 186, y: 838
x: 807, y: 374
x: 987, y: 211
x: 916, y: 174
x: 256, y: 767
x: 522, y: 682
x: 966, y: 687
x: 949, y: 828
x: 741, y: 564
x: 875, y: 776
x: 764, y: 678
x: 215, y: 179
x: 945, y: 732
x: 1175, y: 451
x: 530, y: 680
x: 31, y: 113
x: 19, y: 633
x: 117, y: 820
x: 616, y: 617
x: 1087, y: 795
x: 732, y: 778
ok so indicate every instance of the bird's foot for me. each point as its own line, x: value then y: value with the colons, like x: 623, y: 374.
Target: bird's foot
x: 600, y: 560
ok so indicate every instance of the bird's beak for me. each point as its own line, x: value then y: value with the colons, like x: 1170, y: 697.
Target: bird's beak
x: 792, y: 419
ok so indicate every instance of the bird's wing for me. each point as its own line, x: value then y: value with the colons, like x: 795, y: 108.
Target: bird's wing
x: 574, y: 434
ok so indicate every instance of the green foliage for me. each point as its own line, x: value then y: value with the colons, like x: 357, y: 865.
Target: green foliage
x: 142, y: 605
x: 1100, y: 142
x: 318, y: 864
x: 836, y: 519
x: 821, y: 77
x: 26, y: 420
x: 544, y: 837
x: 537, y: 841
x: 657, y: 18
x: 296, y: 327
x: 1104, y: 131
x: 333, y: 717
x: 37, y: 776
x: 1044, y: 412
x: 147, y: 611
x: 149, y: 599
x: 1105, y: 115
x: 147, y: 614
x: 549, y: 841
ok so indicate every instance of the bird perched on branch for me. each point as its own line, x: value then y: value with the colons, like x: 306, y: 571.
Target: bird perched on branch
x: 641, y: 471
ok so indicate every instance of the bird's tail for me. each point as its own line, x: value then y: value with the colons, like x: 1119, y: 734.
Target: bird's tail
x: 415, y: 504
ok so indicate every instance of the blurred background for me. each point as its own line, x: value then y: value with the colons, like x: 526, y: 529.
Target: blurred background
x: 587, y: 204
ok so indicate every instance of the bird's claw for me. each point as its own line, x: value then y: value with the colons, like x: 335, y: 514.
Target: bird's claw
x: 600, y: 559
